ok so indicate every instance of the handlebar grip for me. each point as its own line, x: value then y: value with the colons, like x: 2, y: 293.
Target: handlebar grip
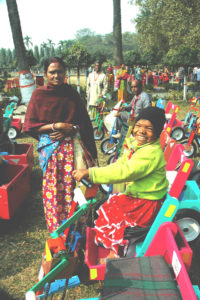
x: 86, y: 182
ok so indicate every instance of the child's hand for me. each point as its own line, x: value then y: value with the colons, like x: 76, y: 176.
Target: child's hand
x: 79, y: 174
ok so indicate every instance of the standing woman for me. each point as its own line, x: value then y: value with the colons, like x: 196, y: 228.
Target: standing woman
x: 54, y: 115
x: 122, y: 76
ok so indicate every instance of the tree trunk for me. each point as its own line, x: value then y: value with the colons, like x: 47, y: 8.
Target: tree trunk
x: 117, y: 32
x: 78, y: 81
x: 15, y: 25
x: 27, y: 84
x: 185, y: 89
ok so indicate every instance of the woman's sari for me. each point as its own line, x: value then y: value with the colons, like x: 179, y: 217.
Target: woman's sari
x: 122, y: 75
x: 56, y: 161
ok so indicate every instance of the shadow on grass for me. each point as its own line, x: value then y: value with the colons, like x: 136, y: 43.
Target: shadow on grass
x: 5, y: 296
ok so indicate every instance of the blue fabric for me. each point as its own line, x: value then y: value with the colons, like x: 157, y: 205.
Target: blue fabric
x: 45, y: 148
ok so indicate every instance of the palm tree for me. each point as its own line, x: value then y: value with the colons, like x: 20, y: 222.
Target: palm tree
x: 44, y: 45
x: 117, y: 32
x: 51, y: 47
x: 20, y: 52
x: 15, y: 25
x: 27, y: 41
x: 50, y: 44
x: 61, y: 44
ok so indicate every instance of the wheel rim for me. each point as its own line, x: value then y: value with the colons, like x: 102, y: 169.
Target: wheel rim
x: 190, y: 228
x: 108, y: 148
x: 98, y: 135
x: 12, y: 133
x: 105, y: 187
x: 177, y: 134
x: 111, y: 159
x: 187, y: 152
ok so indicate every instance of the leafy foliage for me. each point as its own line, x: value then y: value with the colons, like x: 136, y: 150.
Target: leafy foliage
x: 76, y: 56
x: 166, y: 25
x: 98, y: 47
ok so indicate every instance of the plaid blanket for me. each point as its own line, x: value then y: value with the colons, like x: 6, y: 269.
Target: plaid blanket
x: 139, y: 278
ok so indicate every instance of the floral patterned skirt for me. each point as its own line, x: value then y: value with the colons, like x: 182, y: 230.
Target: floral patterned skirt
x: 58, y: 185
x: 121, y: 211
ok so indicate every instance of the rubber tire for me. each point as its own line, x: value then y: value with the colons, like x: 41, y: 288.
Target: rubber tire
x: 104, y: 146
x: 110, y: 159
x: 191, y: 153
x: 191, y: 217
x: 104, y: 188
x: 98, y: 135
x: 178, y: 133
x: 13, y: 133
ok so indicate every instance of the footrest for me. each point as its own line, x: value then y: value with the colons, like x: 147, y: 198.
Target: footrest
x: 139, y: 278
x: 59, y: 285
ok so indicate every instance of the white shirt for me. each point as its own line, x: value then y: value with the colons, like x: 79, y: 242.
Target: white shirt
x: 97, y: 86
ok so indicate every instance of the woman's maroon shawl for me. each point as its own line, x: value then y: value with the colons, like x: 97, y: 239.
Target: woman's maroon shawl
x: 50, y: 104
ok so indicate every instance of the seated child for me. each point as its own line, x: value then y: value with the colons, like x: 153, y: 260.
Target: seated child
x: 142, y: 169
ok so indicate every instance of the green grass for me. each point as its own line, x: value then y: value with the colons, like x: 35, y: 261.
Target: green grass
x: 22, y: 241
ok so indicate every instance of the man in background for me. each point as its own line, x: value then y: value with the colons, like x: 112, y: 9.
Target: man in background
x: 181, y: 73
x: 96, y: 88
x: 140, y: 101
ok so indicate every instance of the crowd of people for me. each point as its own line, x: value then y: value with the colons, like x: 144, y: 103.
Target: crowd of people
x: 120, y: 78
x: 57, y: 117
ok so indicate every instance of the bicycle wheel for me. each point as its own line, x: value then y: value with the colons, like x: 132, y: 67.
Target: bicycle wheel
x: 111, y: 159
x: 189, y: 223
x: 98, y: 134
x: 104, y: 188
x: 177, y: 133
x: 13, y: 132
x: 107, y: 147
x: 192, y: 151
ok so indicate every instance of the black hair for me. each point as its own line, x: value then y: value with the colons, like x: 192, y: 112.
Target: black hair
x: 51, y: 60
x: 139, y: 83
x: 98, y: 62
x: 156, y: 116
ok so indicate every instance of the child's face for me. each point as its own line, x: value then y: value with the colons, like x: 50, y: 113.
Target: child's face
x: 144, y: 132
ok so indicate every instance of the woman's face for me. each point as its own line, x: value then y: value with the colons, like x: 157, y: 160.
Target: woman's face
x: 55, y: 74
x: 144, y: 132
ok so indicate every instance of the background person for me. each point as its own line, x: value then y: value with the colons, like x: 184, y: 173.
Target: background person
x: 142, y: 169
x: 96, y: 88
x: 198, y: 78
x: 140, y: 101
x: 122, y: 75
x: 52, y: 114
x: 181, y: 73
x: 110, y: 78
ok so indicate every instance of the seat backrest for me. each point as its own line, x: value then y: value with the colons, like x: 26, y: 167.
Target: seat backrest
x: 169, y: 149
x: 174, y: 155
x: 171, y: 107
x: 164, y: 243
x: 181, y: 177
x: 165, y: 214
x: 164, y: 138
x: 170, y: 205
